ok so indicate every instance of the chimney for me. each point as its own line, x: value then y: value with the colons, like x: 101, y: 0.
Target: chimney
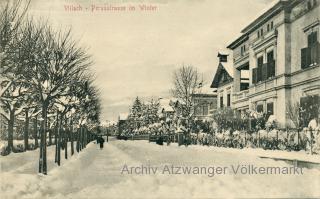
x: 223, y: 57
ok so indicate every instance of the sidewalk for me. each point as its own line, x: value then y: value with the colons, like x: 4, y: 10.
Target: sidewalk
x: 274, y: 154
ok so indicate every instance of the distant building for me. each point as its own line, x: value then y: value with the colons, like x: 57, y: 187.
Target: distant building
x: 166, y: 109
x: 123, y: 117
x: 205, y: 103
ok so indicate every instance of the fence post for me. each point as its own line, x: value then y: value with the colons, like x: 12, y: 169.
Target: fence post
x: 277, y: 140
x: 259, y: 142
x: 287, y: 144
x: 245, y: 138
x: 311, y: 140
x: 298, y: 140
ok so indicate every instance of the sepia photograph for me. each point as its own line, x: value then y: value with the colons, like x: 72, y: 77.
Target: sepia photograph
x: 169, y: 99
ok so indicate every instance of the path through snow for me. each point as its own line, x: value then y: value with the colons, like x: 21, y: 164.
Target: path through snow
x: 96, y: 173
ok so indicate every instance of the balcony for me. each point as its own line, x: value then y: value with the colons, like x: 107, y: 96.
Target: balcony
x: 264, y: 72
x: 310, y: 56
x: 241, y: 95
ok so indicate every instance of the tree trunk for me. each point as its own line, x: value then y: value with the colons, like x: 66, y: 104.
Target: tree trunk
x: 59, y: 141
x: 35, y: 132
x: 26, y: 131
x: 71, y: 137
x: 50, y: 137
x: 66, y: 142
x: 66, y: 145
x: 43, y: 143
x: 78, y: 138
x: 55, y: 138
x: 10, y: 131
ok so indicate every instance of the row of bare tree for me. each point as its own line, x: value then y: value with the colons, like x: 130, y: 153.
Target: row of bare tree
x: 45, y: 78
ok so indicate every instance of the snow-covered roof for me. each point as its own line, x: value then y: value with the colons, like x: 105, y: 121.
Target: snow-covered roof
x: 108, y: 123
x: 223, y: 52
x: 261, y: 14
x: 165, y: 105
x: 123, y: 116
x: 205, y: 90
x: 223, y: 66
x: 229, y: 67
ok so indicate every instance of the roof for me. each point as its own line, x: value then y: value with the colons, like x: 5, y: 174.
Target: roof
x: 223, y: 52
x: 123, y: 116
x: 240, y: 40
x: 273, y: 7
x: 227, y: 66
x: 207, y: 91
x: 165, y: 105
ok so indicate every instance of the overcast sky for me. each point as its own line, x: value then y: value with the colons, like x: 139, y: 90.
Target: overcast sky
x: 135, y: 52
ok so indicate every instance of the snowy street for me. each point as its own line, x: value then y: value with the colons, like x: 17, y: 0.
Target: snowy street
x: 99, y: 173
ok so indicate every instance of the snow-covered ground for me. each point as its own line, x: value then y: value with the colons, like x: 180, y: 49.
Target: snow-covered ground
x: 96, y: 173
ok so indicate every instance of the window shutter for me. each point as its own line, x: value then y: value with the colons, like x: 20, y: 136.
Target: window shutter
x: 304, y: 58
x: 314, y: 54
x: 264, y: 72
x: 259, y: 75
x: 318, y: 53
x: 271, y: 69
x: 254, y: 75
x: 270, y: 108
x: 312, y: 39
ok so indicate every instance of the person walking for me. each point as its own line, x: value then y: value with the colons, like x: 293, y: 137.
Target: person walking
x: 101, y: 142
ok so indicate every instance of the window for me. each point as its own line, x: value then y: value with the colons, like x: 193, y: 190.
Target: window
x: 243, y: 49
x: 261, y: 32
x: 309, y: 5
x: 211, y: 105
x: 270, y: 64
x: 259, y: 68
x: 229, y: 100
x: 221, y: 102
x: 205, y: 110
x: 258, y: 34
x: 260, y: 108
x: 309, y: 109
x: 270, y: 56
x: 268, y: 27
x: 271, y: 25
x: 270, y: 108
x: 198, y: 111
x: 260, y: 61
x: 312, y: 38
x: 311, y: 55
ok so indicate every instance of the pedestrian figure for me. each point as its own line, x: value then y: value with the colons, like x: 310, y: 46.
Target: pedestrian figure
x: 97, y: 139
x: 101, y: 141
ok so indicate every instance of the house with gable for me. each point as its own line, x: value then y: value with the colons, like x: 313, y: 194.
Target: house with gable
x: 205, y: 102
x: 223, y: 81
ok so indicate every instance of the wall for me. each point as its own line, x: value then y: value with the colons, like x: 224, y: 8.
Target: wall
x: 224, y: 91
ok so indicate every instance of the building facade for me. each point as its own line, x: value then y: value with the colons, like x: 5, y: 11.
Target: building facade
x: 205, y: 103
x: 281, y: 52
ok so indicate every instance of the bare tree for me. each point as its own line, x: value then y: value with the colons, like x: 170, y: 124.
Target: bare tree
x: 186, y: 81
x: 11, y: 17
x: 293, y: 112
